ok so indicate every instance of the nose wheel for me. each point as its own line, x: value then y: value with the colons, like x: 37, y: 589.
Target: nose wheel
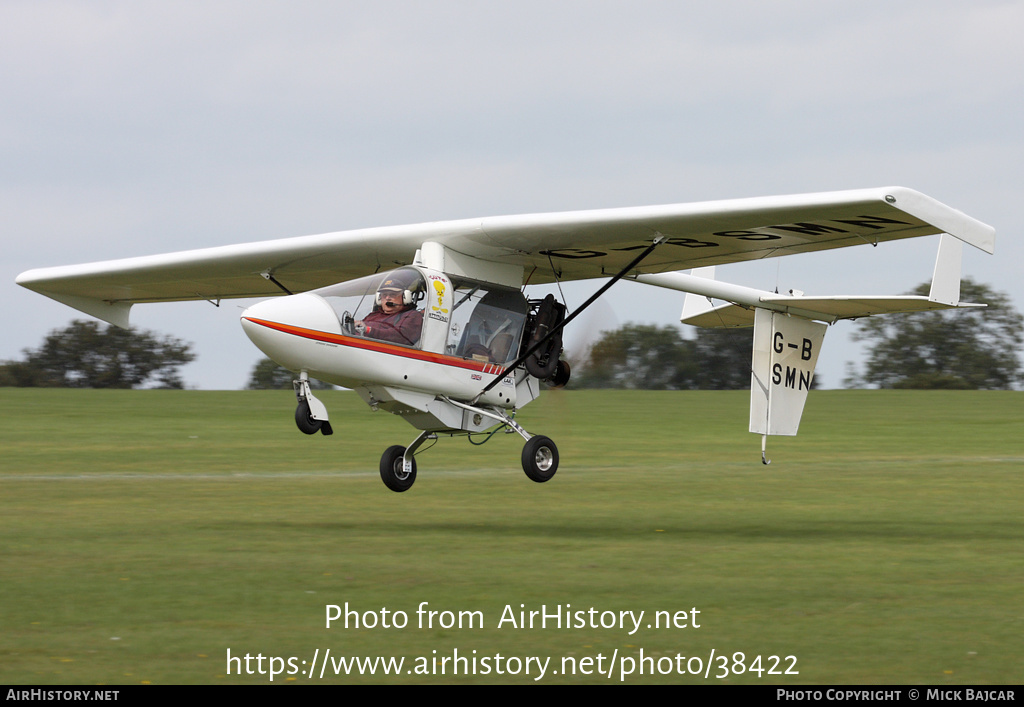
x: 304, y: 419
x: 310, y: 413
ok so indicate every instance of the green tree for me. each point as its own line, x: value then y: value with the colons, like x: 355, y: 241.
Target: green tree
x: 968, y: 349
x: 267, y: 375
x: 650, y: 357
x: 88, y: 355
x: 723, y: 358
x: 638, y: 356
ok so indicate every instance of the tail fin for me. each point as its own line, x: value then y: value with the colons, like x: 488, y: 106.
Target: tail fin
x: 695, y: 305
x: 946, y: 277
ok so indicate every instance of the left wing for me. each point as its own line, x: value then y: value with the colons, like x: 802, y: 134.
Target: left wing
x: 533, y: 247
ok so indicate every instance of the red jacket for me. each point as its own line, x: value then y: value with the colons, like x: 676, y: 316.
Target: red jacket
x: 401, y: 328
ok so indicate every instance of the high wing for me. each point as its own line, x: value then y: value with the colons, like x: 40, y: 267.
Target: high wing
x: 578, y: 244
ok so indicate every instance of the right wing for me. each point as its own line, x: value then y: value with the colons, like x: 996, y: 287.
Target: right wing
x: 537, y: 248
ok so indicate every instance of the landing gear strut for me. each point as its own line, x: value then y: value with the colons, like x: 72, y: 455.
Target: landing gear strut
x: 540, y: 455
x: 310, y: 414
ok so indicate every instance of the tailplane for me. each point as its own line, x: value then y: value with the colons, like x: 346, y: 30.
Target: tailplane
x: 789, y: 329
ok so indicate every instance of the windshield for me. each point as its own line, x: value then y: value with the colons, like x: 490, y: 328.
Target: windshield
x: 486, y: 322
x: 386, y: 306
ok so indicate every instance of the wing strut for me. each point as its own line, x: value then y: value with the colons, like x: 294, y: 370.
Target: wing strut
x: 267, y: 275
x: 526, y: 354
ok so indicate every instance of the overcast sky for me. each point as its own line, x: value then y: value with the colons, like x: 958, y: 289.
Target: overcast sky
x: 132, y: 128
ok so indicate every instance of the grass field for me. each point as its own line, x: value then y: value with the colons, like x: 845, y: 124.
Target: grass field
x: 146, y: 533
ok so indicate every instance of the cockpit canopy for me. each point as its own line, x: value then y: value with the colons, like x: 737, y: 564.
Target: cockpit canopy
x: 452, y: 316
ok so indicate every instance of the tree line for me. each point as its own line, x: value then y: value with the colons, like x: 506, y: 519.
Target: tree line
x: 647, y: 357
x: 967, y: 349
x: 90, y: 355
x: 975, y: 348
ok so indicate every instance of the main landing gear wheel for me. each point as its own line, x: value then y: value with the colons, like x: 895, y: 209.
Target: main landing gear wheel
x: 304, y: 419
x: 540, y: 458
x: 393, y: 472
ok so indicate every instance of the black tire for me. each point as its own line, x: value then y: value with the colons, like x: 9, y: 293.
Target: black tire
x: 391, y: 471
x: 304, y: 419
x: 540, y: 458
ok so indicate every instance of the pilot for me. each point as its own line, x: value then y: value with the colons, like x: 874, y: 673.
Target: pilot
x: 395, y: 317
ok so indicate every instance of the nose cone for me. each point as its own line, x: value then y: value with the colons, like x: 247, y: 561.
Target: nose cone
x: 281, y: 327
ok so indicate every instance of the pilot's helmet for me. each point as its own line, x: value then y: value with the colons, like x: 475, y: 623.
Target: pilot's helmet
x: 406, y: 281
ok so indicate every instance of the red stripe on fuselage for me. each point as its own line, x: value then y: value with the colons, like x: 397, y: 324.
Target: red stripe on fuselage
x: 378, y: 346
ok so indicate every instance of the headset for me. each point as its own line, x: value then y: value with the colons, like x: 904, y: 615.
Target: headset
x: 408, y: 282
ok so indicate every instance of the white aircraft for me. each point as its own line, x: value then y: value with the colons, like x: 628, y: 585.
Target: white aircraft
x: 436, y: 327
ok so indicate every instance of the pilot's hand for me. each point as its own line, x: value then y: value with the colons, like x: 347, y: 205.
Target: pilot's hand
x: 361, y: 327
